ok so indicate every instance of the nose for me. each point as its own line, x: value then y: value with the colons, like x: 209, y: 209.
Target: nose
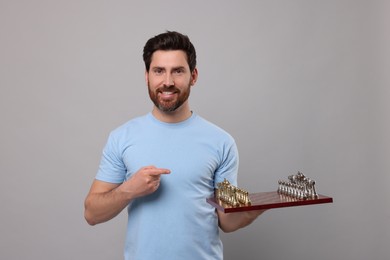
x: 168, y: 81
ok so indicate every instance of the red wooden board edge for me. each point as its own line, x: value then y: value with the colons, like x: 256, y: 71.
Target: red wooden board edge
x: 268, y: 200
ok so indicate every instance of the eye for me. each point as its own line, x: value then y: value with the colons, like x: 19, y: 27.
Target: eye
x: 158, y: 71
x: 179, y: 71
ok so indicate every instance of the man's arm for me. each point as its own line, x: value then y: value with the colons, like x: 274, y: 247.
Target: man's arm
x: 229, y: 222
x: 106, y: 200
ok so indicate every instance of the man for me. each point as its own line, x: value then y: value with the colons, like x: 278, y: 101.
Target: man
x: 164, y: 165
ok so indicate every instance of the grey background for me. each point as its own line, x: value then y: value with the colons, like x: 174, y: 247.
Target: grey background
x: 301, y: 85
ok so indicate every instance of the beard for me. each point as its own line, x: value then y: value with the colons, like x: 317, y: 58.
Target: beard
x: 169, y: 105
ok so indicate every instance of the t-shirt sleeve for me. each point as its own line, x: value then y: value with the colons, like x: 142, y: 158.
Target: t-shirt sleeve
x: 112, y: 168
x: 229, y: 166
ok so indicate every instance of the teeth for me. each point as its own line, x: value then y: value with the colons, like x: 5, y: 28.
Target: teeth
x: 167, y: 93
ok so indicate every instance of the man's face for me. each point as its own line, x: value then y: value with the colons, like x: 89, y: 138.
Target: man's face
x: 169, y: 80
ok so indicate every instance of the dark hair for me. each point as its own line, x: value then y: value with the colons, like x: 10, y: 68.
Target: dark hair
x: 170, y: 41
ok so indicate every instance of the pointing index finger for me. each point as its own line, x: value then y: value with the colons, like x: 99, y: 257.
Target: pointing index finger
x: 159, y: 171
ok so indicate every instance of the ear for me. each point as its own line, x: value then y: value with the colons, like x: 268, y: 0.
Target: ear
x: 147, y: 77
x: 194, y: 76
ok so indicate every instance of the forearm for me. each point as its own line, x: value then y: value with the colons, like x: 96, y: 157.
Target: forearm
x: 229, y: 222
x: 106, y: 200
x: 103, y: 206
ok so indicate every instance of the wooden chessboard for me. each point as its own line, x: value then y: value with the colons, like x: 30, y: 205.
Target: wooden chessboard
x: 268, y: 200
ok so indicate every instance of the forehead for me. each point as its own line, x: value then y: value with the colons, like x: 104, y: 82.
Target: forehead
x: 170, y: 58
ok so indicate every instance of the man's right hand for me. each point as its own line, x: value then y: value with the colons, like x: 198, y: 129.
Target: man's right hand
x: 145, y: 181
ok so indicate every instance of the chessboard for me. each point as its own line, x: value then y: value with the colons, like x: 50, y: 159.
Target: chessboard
x: 268, y: 200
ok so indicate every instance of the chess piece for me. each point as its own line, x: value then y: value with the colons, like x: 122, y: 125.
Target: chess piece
x: 231, y: 194
x: 298, y: 186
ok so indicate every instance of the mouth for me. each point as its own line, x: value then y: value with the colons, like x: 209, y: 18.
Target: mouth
x: 167, y: 94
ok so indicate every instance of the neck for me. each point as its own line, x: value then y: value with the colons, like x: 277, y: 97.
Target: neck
x: 179, y: 115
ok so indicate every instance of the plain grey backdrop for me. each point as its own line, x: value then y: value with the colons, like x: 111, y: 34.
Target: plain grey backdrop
x: 301, y: 85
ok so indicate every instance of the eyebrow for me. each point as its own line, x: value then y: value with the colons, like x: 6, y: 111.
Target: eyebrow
x: 163, y: 68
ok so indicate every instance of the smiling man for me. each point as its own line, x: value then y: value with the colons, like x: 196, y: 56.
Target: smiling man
x: 162, y: 166
x: 169, y: 80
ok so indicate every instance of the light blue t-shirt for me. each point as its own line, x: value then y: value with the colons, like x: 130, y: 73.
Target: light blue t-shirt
x: 175, y: 222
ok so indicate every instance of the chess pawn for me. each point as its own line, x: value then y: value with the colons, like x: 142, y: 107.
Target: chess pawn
x: 300, y: 192
x: 303, y: 192
x: 285, y: 188
x: 280, y: 186
x: 229, y: 195
x: 299, y: 195
x: 241, y: 196
x: 224, y: 195
x: 290, y: 190
x: 295, y: 191
x: 238, y: 195
x: 246, y: 198
x: 233, y: 199
x: 307, y: 192
x: 314, y: 194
